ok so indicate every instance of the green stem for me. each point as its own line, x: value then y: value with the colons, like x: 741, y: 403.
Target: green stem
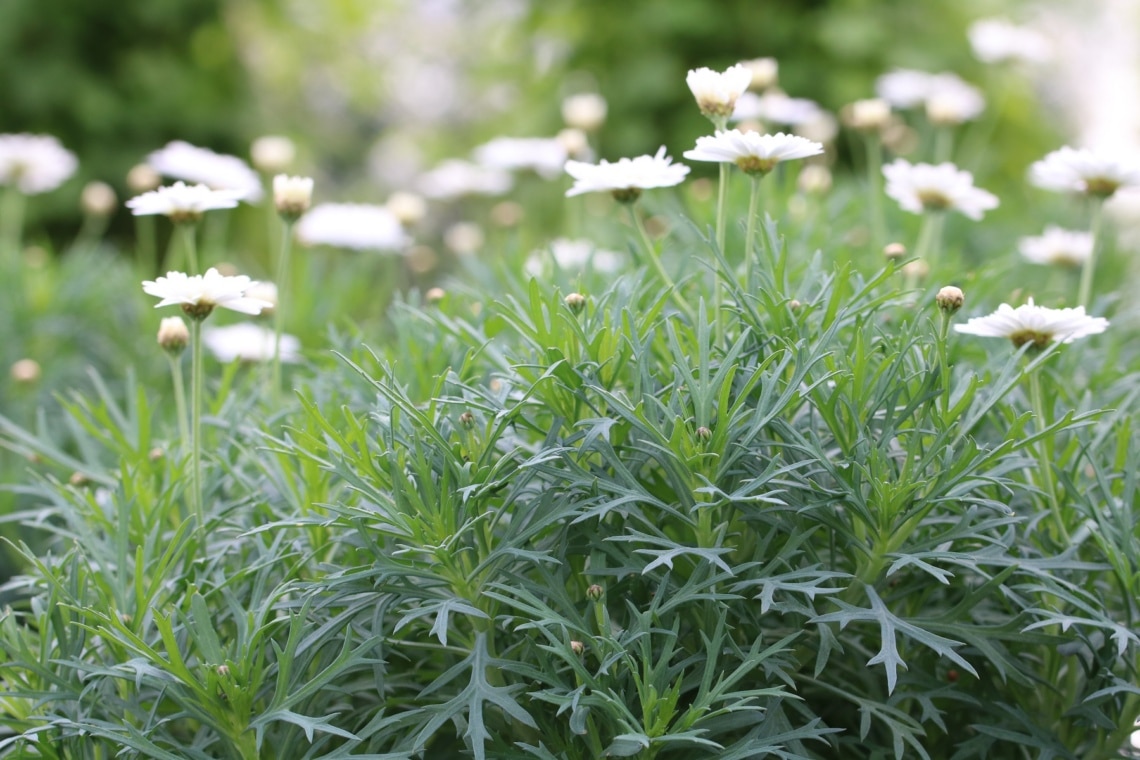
x: 179, y: 396
x: 282, y: 299
x: 930, y: 236
x: 943, y: 143
x: 1045, y: 464
x: 1085, y: 293
x: 196, y: 427
x: 721, y: 224
x: 944, y: 363
x: 11, y: 224
x: 186, y: 231
x: 147, y: 250
x: 750, y: 230
x: 875, y: 186
x: 655, y: 260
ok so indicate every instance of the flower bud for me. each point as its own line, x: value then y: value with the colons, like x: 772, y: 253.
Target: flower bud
x: 467, y: 420
x: 585, y: 111
x: 703, y: 433
x: 575, y: 142
x: 434, y: 295
x: 575, y: 302
x: 577, y: 647
x: 950, y: 299
x: 408, y: 208
x: 78, y: 479
x: 272, y: 153
x: 292, y: 195
x: 871, y: 115
x: 894, y: 251
x: 814, y: 179
x: 595, y: 592
x: 156, y: 454
x: 143, y: 178
x: 98, y: 199
x: 765, y: 72
x: 25, y: 371
x: 173, y: 335
x: 464, y: 238
x: 794, y: 305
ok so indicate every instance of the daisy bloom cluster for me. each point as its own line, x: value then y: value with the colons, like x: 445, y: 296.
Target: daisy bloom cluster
x: 996, y: 40
x: 249, y: 343
x: 199, y: 294
x: 947, y: 98
x: 358, y: 226
x: 944, y: 187
x: 753, y: 153
x: 1039, y: 325
x: 717, y: 92
x: 1095, y: 173
x: 183, y: 203
x: 1058, y: 246
x: 626, y: 178
x: 183, y: 161
x: 543, y: 155
x: 34, y: 163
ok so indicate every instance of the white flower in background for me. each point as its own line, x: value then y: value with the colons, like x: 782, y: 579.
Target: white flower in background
x: 951, y: 100
x: 822, y: 128
x: 869, y: 115
x: 464, y: 238
x: 35, y: 163
x: 995, y: 40
x: 1057, y: 246
x: 574, y: 256
x: 752, y: 152
x: 717, y: 92
x: 98, y: 199
x: 408, y: 208
x: 585, y: 111
x: 1034, y: 324
x: 199, y: 294
x: 924, y: 187
x: 292, y: 195
x: 543, y: 155
x: 765, y: 72
x: 248, y: 342
x: 775, y: 108
x: 182, y: 202
x: 455, y: 178
x: 626, y: 178
x: 1095, y: 173
x: 357, y: 226
x: 815, y: 179
x: 903, y: 88
x: 263, y: 290
x: 142, y: 178
x: 181, y: 160
x: 273, y: 154
x: 576, y: 144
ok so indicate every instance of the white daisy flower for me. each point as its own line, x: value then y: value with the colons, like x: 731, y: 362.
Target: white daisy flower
x: 869, y: 115
x: 34, y: 163
x: 199, y: 294
x: 951, y: 100
x: 455, y: 178
x: 717, y: 92
x: 292, y: 195
x: 543, y: 155
x: 752, y: 152
x: 352, y: 225
x: 248, y: 342
x: 775, y: 108
x: 181, y: 160
x: 182, y: 202
x: 1084, y: 171
x: 924, y: 187
x: 1039, y: 325
x: 903, y: 88
x: 995, y: 40
x: 628, y: 177
x: 1057, y: 246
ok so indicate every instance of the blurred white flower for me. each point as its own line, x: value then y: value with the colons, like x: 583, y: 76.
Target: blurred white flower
x: 199, y: 294
x: 821, y: 128
x: 464, y: 238
x: 408, y: 208
x: 775, y: 108
x: 292, y: 195
x: 544, y: 155
x: 765, y: 72
x: 1057, y: 246
x: 455, y: 178
x: 35, y: 163
x: 181, y: 160
x: 752, y: 152
x: 585, y: 111
x: 869, y: 115
x: 143, y: 177
x: 626, y: 178
x: 1034, y: 324
x: 995, y: 40
x: 574, y: 256
x: 575, y: 143
x: 903, y: 88
x: 263, y: 290
x: 944, y: 187
x: 98, y: 199
x: 1095, y: 173
x: 815, y: 179
x: 182, y: 202
x: 173, y: 335
x: 273, y: 154
x: 717, y: 92
x: 358, y: 226
x: 248, y: 342
x: 948, y: 98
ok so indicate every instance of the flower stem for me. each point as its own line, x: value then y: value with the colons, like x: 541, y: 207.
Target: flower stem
x: 875, y: 186
x: 179, y: 396
x: 186, y: 231
x: 147, y: 250
x: 1085, y: 293
x: 11, y: 223
x: 282, y: 299
x: 750, y: 230
x: 196, y: 427
x: 1036, y: 399
x: 930, y: 236
x: 655, y: 260
x: 943, y: 143
x: 944, y: 363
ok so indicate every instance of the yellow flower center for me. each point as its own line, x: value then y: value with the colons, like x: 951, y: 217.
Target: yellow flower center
x: 1038, y: 339
x: 756, y: 165
x: 932, y: 200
